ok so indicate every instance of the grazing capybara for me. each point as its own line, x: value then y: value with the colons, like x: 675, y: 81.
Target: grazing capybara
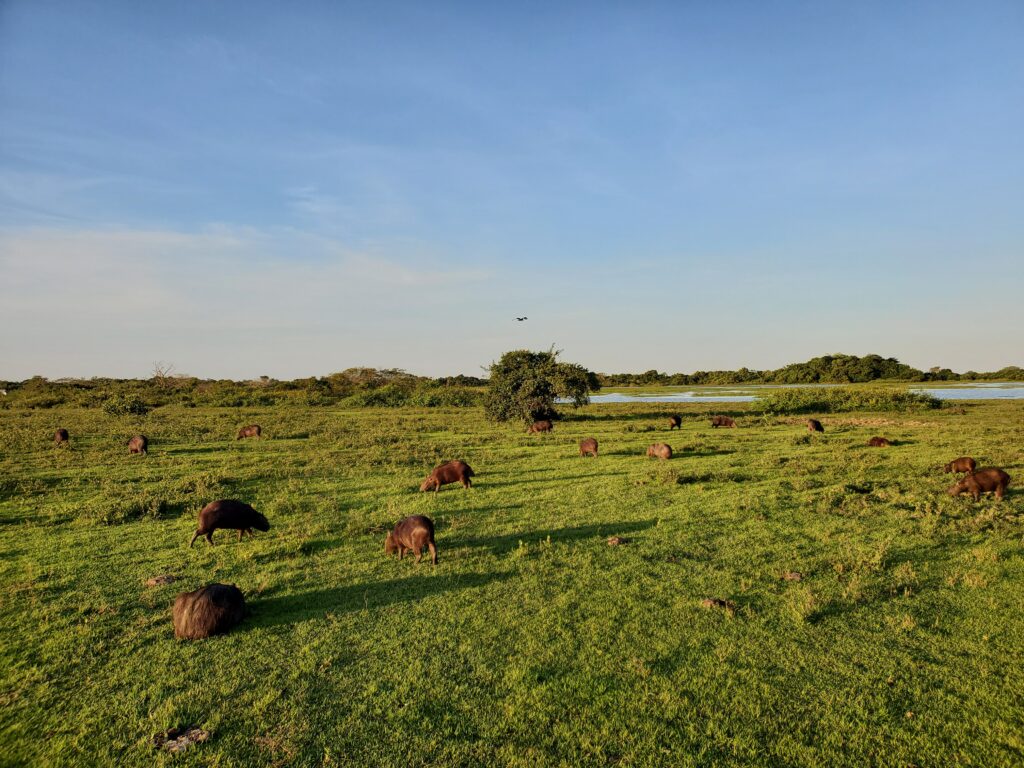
x: 60, y: 437
x: 988, y: 480
x: 879, y: 442
x: 660, y: 451
x: 452, y: 472
x: 210, y: 610
x: 138, y: 444
x: 588, y: 447
x: 813, y: 425
x: 413, y: 534
x: 253, y: 430
x: 723, y: 421
x: 540, y: 426
x: 675, y: 422
x: 963, y: 464
x: 228, y: 513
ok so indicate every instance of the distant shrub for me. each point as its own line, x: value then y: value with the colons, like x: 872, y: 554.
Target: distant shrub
x: 448, y: 397
x: 124, y: 405
x: 388, y: 396
x: 837, y: 399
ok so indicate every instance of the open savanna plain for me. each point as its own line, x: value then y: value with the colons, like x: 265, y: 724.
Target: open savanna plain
x: 533, y: 642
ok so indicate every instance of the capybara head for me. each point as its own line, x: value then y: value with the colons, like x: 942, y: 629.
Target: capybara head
x: 957, y: 488
x: 427, y: 483
x: 390, y: 547
x: 260, y: 522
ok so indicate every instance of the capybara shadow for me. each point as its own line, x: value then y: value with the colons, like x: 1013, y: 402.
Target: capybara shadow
x: 450, y: 472
x: 230, y: 514
x: 588, y: 447
x: 660, y: 451
x: 813, y: 425
x: 60, y: 437
x: 675, y: 422
x: 723, y: 421
x: 544, y: 425
x: 413, y: 534
x: 211, y: 610
x: 139, y: 444
x: 987, y: 480
x: 962, y: 464
x: 252, y: 430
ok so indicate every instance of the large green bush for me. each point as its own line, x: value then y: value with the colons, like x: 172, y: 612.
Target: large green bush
x: 836, y: 399
x: 524, y: 385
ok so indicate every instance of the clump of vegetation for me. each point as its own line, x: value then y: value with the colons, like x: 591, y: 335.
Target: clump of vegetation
x: 125, y: 405
x: 524, y: 385
x: 840, y: 399
x: 142, y: 505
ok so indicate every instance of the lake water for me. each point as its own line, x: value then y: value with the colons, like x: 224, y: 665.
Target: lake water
x: 995, y: 390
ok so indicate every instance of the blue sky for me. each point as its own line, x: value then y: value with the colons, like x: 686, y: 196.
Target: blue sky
x: 290, y: 189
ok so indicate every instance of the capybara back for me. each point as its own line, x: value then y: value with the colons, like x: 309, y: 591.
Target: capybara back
x: 60, y: 436
x: 723, y: 421
x: 451, y: 472
x: 988, y: 480
x: 962, y: 464
x: 675, y: 422
x: 210, y: 610
x: 813, y: 425
x: 138, y: 444
x: 660, y: 451
x: 413, y: 534
x: 588, y: 447
x: 540, y: 426
x: 252, y: 430
x: 879, y: 442
x: 231, y: 514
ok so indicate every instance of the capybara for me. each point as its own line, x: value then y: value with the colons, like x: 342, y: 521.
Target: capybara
x: 963, y: 464
x: 60, y: 437
x: 988, y: 480
x: 210, y: 610
x: 253, y: 430
x: 723, y: 421
x: 675, y: 422
x: 813, y: 425
x: 228, y: 513
x: 588, y: 447
x: 879, y: 442
x: 413, y: 534
x: 660, y: 451
x: 452, y: 472
x: 540, y: 426
x: 138, y: 444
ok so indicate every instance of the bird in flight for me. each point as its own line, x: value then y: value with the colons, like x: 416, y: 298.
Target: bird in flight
x: 520, y: 319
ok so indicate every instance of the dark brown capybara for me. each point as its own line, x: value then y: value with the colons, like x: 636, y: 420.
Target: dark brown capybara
x: 723, y: 421
x: 451, y: 472
x: 675, y: 422
x: 660, y: 451
x: 588, y: 447
x: 813, y: 425
x: 963, y: 464
x: 988, y: 480
x: 60, y: 437
x: 210, y: 610
x: 138, y: 444
x: 253, y: 430
x: 413, y: 534
x: 228, y: 513
x: 879, y: 442
x: 540, y: 426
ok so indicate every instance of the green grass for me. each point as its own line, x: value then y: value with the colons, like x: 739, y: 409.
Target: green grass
x: 533, y: 642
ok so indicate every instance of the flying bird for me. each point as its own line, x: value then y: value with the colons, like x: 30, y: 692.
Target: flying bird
x: 520, y: 319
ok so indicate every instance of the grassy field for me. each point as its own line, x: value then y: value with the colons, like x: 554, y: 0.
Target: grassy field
x: 533, y: 642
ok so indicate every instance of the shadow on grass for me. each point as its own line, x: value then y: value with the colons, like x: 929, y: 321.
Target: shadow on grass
x: 553, y: 478
x: 670, y: 409
x: 292, y: 609
x: 508, y: 542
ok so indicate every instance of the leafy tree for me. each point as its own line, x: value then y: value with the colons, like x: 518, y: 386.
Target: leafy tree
x: 524, y: 385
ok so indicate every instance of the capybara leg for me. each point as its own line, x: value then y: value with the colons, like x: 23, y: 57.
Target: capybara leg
x: 401, y: 552
x: 419, y: 554
x: 251, y: 534
x: 240, y: 532
x: 433, y: 552
x: 1000, y: 491
x: 195, y: 536
x: 209, y: 537
x: 467, y: 483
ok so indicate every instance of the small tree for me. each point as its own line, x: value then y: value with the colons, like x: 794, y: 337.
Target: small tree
x: 524, y: 385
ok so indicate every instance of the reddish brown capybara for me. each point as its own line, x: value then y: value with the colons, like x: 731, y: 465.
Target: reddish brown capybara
x: 60, y: 437
x: 879, y: 442
x: 231, y: 514
x: 588, y: 447
x: 253, y: 430
x: 451, y: 472
x: 540, y: 426
x: 675, y: 422
x: 723, y: 421
x: 813, y: 425
x: 660, y: 451
x: 988, y: 480
x: 413, y: 534
x: 138, y: 444
x: 963, y: 464
x: 210, y: 610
